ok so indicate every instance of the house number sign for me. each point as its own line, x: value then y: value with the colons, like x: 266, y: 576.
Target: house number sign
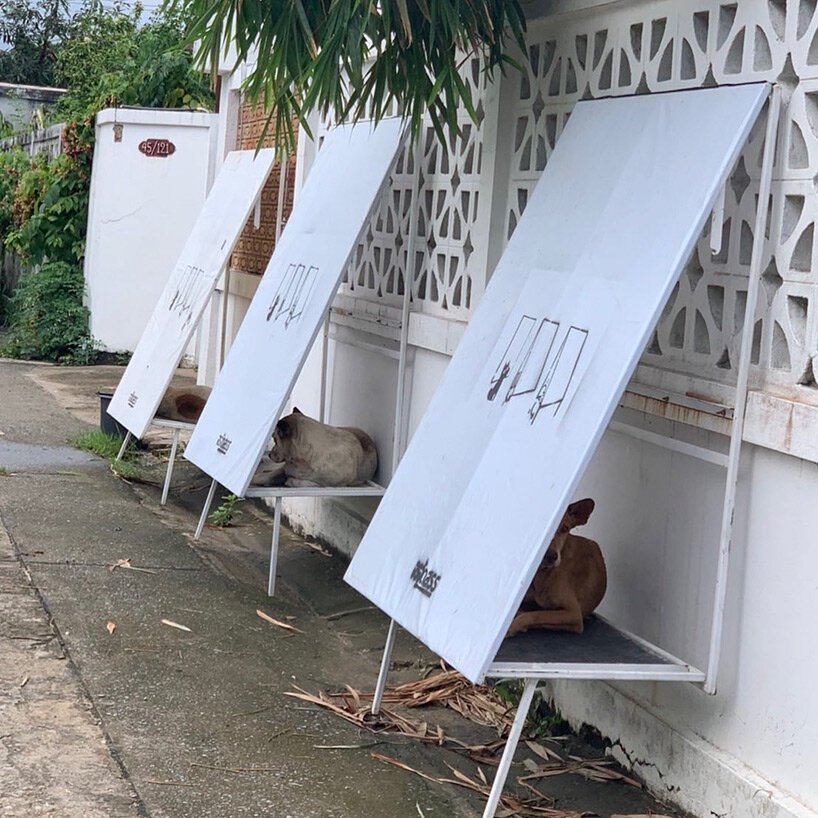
x: 157, y: 147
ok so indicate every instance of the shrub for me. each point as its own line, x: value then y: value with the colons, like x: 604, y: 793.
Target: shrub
x: 47, y: 315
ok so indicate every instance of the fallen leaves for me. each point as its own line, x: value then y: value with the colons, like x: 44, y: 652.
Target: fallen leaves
x: 111, y: 627
x: 594, y: 769
x: 353, y: 711
x: 171, y: 624
x: 509, y: 804
x: 478, y: 703
x: 278, y: 623
x: 127, y: 564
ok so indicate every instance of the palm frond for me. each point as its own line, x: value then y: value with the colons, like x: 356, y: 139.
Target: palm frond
x: 356, y: 57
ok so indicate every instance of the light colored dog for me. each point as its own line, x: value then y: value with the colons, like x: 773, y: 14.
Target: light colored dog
x: 570, y: 582
x: 307, y: 452
x: 184, y: 403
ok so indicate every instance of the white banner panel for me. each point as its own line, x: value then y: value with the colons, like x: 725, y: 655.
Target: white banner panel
x: 496, y: 458
x: 177, y: 313
x: 292, y: 300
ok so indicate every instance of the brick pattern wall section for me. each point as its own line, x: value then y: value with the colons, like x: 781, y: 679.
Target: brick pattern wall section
x: 255, y: 247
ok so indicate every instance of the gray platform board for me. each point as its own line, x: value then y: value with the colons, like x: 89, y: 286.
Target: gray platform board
x: 600, y: 642
x: 601, y: 651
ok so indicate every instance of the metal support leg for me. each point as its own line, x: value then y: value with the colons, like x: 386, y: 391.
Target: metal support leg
x: 169, y: 472
x: 205, y: 510
x: 511, y: 747
x: 124, y: 446
x: 271, y: 577
x: 386, y: 660
x: 742, y: 379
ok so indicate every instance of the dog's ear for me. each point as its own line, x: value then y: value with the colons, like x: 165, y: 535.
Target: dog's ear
x: 283, y: 428
x: 297, y: 411
x: 579, y: 512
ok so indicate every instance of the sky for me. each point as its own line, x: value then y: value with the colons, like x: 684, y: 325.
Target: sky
x: 148, y: 5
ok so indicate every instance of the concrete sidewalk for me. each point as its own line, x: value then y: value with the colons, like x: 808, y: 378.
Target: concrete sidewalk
x: 151, y: 720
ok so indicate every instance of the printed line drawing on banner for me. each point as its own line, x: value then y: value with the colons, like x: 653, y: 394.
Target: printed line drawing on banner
x: 293, y: 294
x: 558, y: 364
x: 182, y: 299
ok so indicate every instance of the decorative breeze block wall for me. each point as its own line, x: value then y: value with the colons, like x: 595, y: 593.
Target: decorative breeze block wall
x: 451, y: 228
x: 638, y: 48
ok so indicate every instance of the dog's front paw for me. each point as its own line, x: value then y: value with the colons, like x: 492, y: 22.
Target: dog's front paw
x: 518, y: 625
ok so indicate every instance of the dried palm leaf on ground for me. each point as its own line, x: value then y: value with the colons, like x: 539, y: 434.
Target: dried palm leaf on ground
x: 594, y: 769
x: 387, y: 721
x: 478, y: 703
x: 538, y: 807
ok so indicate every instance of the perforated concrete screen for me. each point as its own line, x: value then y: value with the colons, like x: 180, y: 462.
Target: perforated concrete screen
x: 189, y: 287
x: 292, y: 300
x: 569, y: 309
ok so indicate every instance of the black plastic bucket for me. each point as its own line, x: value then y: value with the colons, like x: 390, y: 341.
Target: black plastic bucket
x: 108, y: 424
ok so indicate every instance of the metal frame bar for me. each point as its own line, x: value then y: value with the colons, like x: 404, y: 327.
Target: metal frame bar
x: 124, y: 446
x: 169, y: 470
x: 595, y: 671
x: 271, y: 574
x: 386, y: 658
x: 689, y: 449
x: 205, y: 509
x: 511, y: 747
x: 370, y: 489
x: 737, y: 432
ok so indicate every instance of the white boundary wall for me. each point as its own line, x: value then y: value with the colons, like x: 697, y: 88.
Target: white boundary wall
x: 141, y: 212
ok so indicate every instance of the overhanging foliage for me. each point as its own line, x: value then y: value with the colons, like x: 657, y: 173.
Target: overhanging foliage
x: 357, y: 57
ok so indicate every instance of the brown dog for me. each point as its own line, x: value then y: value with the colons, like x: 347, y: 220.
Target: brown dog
x: 570, y: 582
x: 185, y: 403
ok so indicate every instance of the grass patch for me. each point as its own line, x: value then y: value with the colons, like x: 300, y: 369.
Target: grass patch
x: 4, y: 472
x: 98, y: 443
x: 124, y: 469
x: 107, y: 447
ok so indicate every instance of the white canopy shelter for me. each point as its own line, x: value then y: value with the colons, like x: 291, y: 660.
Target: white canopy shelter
x: 289, y: 308
x: 535, y: 380
x: 189, y: 287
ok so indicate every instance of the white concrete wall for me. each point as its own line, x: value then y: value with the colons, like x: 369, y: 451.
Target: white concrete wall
x: 141, y: 212
x: 752, y: 749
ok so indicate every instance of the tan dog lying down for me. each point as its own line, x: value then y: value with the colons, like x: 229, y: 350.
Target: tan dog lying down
x: 307, y: 452
x: 184, y: 403
x: 570, y: 582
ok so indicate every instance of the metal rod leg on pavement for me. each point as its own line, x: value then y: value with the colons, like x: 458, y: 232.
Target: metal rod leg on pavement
x: 271, y: 577
x: 124, y: 446
x: 205, y: 510
x: 169, y: 472
x: 386, y: 660
x: 511, y: 746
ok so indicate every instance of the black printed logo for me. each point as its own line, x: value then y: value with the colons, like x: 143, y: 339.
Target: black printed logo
x: 423, y: 579
x: 223, y: 444
x: 132, y: 399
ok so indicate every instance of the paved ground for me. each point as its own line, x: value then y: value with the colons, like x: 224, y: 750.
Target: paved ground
x: 150, y: 720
